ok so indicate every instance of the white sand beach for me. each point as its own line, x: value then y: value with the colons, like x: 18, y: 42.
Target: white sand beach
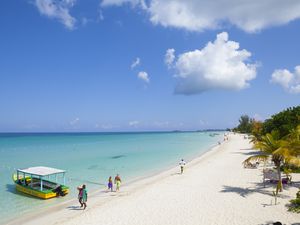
x: 214, y: 189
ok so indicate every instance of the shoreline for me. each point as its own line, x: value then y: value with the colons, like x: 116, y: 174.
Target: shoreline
x: 140, y: 180
x: 214, y: 182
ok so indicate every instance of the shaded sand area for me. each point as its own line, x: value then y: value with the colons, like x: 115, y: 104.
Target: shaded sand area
x: 215, y: 189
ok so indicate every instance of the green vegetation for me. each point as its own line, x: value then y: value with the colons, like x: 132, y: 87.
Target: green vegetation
x: 295, y: 204
x: 278, y: 139
x: 245, y: 125
x: 282, y: 122
x: 278, y: 150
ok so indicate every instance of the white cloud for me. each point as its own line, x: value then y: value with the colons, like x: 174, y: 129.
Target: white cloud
x: 74, y: 122
x: 288, y: 80
x: 100, y: 15
x: 134, y: 3
x: 57, y: 10
x: 198, y: 15
x: 170, y: 57
x: 248, y: 15
x: 134, y: 123
x: 136, y: 63
x: 219, y: 65
x: 144, y: 76
x: 118, y: 2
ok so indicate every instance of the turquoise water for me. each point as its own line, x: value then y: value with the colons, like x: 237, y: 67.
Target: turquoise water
x: 91, y: 158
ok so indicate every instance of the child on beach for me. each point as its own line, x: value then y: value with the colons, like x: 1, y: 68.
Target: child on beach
x: 181, y: 164
x: 118, y: 182
x: 110, y: 184
x: 82, y: 196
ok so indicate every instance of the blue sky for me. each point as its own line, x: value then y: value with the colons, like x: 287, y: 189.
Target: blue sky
x: 131, y: 65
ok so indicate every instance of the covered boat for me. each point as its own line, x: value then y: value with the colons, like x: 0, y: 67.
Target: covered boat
x: 41, y: 182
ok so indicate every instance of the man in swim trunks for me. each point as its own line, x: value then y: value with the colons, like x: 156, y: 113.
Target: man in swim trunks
x: 118, y: 182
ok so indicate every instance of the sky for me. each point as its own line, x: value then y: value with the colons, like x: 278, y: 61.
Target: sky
x: 137, y: 65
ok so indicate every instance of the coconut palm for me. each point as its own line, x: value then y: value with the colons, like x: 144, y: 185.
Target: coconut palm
x: 256, y: 131
x: 269, y: 146
x: 282, y: 151
x: 291, y: 144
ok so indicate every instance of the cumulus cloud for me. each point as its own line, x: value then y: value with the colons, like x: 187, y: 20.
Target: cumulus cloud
x: 144, y: 76
x: 248, y: 15
x: 135, y: 63
x: 57, y: 9
x: 290, y: 81
x: 198, y: 15
x: 219, y: 65
x: 170, y: 57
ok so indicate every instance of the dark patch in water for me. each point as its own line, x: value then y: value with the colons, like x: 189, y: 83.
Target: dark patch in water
x: 118, y: 156
x: 92, y: 167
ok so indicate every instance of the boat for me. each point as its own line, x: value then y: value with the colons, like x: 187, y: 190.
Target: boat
x: 41, y: 182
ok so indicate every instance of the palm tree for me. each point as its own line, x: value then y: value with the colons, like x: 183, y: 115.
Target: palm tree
x: 286, y: 150
x: 269, y: 146
x: 291, y: 143
x: 256, y: 131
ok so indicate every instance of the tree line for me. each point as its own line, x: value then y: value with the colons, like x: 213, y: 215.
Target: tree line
x: 278, y: 139
x: 281, y: 123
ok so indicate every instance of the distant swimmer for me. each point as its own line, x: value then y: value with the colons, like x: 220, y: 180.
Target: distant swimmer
x: 118, y: 182
x: 182, y: 164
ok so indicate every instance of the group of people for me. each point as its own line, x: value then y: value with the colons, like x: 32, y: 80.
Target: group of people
x: 226, y: 138
x: 82, y: 194
x: 117, y: 182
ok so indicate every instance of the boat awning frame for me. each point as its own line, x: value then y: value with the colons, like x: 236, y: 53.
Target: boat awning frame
x: 41, y: 171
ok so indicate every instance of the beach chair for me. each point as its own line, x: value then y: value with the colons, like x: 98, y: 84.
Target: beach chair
x: 250, y: 165
x: 271, y: 175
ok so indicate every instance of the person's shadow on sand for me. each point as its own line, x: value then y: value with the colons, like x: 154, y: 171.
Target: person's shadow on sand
x: 173, y: 174
x: 73, y: 207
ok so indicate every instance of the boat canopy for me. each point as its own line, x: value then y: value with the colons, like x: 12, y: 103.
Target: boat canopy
x: 41, y: 171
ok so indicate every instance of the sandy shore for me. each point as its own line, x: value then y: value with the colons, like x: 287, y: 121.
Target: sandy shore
x: 215, y: 189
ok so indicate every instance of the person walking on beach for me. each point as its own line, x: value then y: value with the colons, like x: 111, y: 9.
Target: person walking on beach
x: 84, y: 196
x: 118, y: 182
x: 181, y: 164
x: 80, y: 195
x: 110, y: 184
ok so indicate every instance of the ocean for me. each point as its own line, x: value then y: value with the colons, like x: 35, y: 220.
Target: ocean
x: 90, y: 158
